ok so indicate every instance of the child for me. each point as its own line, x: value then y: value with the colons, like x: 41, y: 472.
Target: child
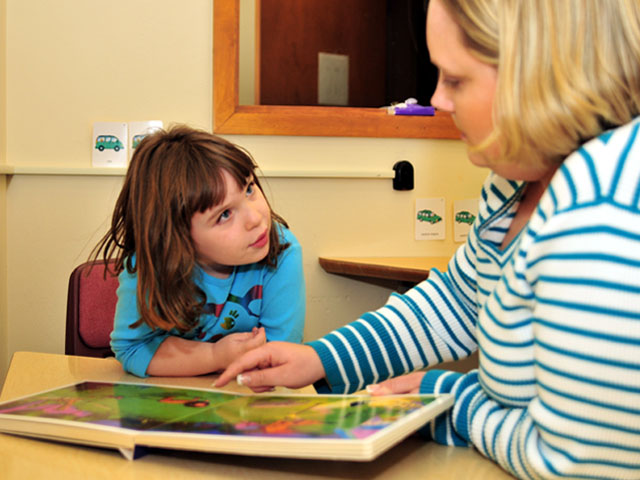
x: 206, y: 269
x: 546, y: 94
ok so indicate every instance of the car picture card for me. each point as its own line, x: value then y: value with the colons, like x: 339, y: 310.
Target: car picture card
x: 109, y: 144
x: 464, y: 214
x: 139, y: 130
x: 430, y: 219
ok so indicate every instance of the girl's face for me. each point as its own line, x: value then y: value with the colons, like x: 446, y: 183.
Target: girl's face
x: 466, y: 86
x: 235, y: 232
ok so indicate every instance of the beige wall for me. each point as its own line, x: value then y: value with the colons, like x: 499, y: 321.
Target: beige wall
x: 3, y: 191
x: 72, y: 63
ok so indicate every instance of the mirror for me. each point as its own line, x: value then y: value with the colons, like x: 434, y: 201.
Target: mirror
x: 229, y: 117
x: 305, y: 53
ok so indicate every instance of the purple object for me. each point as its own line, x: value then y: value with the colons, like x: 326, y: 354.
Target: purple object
x: 413, y: 109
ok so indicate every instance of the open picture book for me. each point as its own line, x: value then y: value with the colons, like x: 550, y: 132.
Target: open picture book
x: 131, y: 417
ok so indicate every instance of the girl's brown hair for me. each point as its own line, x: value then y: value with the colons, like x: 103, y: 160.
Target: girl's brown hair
x: 173, y: 175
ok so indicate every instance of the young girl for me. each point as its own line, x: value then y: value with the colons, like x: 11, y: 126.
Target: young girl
x: 546, y: 94
x: 207, y: 270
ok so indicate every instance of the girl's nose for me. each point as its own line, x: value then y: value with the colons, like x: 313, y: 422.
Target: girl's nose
x: 253, y: 217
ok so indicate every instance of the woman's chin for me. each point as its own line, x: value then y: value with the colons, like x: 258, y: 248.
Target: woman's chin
x: 478, y: 160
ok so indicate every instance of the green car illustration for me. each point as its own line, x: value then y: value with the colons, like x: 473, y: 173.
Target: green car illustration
x: 465, y: 217
x: 108, y: 141
x: 428, y: 216
x: 135, y: 141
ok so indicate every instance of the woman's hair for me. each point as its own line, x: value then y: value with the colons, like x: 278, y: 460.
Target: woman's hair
x: 173, y: 175
x: 567, y: 69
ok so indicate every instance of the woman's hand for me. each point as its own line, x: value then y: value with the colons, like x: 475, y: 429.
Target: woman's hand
x: 409, y: 383
x: 276, y: 363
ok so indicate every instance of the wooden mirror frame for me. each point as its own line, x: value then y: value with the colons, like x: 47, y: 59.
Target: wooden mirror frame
x: 231, y: 118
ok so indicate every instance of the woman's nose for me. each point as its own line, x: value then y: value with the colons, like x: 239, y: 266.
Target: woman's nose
x: 440, y: 100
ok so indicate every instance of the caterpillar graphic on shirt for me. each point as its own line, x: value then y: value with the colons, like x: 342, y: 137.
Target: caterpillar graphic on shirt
x: 254, y: 293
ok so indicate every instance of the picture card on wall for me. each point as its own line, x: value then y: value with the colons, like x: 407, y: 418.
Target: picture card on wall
x: 139, y: 130
x: 429, y: 219
x: 109, y: 144
x: 464, y: 214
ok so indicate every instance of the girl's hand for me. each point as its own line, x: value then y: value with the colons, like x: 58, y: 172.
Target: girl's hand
x: 179, y: 357
x: 276, y: 363
x: 232, y: 346
x: 409, y: 383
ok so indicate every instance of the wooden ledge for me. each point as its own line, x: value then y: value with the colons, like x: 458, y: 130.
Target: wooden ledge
x: 403, y: 269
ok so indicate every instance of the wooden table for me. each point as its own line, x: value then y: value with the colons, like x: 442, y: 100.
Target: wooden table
x: 24, y: 458
x: 402, y: 269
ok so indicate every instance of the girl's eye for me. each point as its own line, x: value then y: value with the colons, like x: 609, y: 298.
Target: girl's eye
x: 224, y: 216
x: 251, y: 188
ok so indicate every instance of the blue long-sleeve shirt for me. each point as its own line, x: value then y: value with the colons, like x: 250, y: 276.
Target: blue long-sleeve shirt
x: 555, y: 316
x: 253, y: 295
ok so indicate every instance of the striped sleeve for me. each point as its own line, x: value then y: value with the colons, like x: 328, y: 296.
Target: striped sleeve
x: 433, y: 322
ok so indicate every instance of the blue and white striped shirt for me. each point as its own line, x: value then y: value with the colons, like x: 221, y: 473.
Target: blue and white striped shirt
x: 555, y: 316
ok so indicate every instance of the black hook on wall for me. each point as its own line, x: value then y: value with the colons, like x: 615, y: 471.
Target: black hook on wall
x: 403, y: 179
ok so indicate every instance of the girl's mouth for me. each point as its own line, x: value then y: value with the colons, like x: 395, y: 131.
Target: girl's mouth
x: 261, y: 241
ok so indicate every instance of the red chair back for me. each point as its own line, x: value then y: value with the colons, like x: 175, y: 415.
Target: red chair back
x: 91, y: 307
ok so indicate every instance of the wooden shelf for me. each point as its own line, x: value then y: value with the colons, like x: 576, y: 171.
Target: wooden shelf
x: 53, y: 170
x: 403, y: 269
x: 270, y: 173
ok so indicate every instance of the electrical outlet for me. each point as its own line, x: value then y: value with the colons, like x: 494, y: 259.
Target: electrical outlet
x: 333, y: 79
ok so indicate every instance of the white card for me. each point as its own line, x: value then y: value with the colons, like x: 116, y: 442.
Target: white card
x: 139, y: 130
x: 109, y: 144
x: 429, y: 218
x: 464, y: 214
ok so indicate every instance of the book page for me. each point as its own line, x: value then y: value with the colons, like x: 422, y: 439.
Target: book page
x: 178, y: 417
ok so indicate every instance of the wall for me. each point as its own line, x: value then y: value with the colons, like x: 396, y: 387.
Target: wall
x: 4, y: 355
x: 71, y: 63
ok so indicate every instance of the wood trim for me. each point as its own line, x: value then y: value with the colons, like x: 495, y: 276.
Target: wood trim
x: 257, y: 46
x: 231, y: 118
x: 226, y: 60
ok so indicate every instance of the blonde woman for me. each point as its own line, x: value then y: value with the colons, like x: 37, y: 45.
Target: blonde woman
x: 546, y: 93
